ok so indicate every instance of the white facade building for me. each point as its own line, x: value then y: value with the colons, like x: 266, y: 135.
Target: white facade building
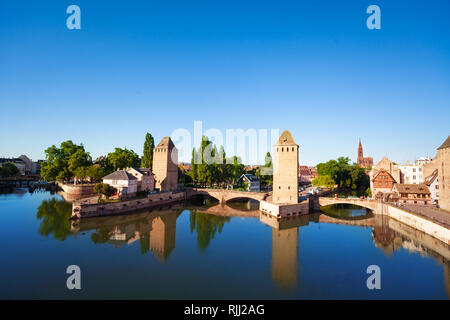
x: 411, y: 174
x: 123, y: 181
x: 432, y: 181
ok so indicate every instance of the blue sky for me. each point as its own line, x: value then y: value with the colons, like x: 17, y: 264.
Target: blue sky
x: 311, y: 67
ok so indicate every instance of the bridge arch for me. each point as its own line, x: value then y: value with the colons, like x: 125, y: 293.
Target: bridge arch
x: 225, y: 195
x: 368, y: 204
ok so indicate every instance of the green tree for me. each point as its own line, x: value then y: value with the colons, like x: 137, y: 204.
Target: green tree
x: 193, y: 172
x: 9, y: 169
x: 265, y: 173
x: 345, y: 175
x: 104, y: 189
x: 324, y: 181
x: 63, y: 163
x: 95, y: 172
x: 149, y: 145
x: 123, y: 158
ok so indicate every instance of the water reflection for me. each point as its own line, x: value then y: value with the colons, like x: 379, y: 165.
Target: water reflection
x: 206, y: 225
x: 347, y: 211
x: 155, y: 232
x: 390, y: 235
x: 285, y: 255
x: 54, y: 215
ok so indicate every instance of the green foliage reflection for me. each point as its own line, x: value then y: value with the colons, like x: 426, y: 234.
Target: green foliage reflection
x: 54, y: 215
x: 206, y: 226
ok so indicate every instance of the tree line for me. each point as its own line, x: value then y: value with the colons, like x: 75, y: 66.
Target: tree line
x: 211, y: 167
x: 343, y: 174
x: 9, y: 169
x: 70, y: 162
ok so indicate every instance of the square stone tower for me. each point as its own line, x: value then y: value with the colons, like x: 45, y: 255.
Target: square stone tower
x: 165, y: 165
x: 443, y: 162
x: 285, y: 170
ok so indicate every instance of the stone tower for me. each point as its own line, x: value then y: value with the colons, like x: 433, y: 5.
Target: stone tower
x: 285, y: 170
x: 443, y: 163
x: 165, y: 165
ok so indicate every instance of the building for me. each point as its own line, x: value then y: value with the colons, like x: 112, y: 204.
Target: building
x: 432, y: 182
x: 411, y: 193
x: 386, y: 165
x: 123, y: 181
x: 411, y: 174
x: 145, y: 178
x: 382, y: 184
x: 363, y: 162
x: 28, y: 164
x: 36, y: 167
x: 306, y: 174
x: 19, y: 163
x: 165, y: 165
x: 443, y: 155
x: 285, y: 167
x: 441, y: 162
x: 251, y: 182
x: 422, y: 161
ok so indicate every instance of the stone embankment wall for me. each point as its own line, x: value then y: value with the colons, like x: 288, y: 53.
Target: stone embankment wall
x: 84, y: 210
x: 78, y: 190
x: 420, y: 223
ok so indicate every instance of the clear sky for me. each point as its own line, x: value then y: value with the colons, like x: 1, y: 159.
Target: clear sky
x: 312, y: 67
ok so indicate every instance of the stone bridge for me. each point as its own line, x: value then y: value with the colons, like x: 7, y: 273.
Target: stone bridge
x: 369, y: 204
x: 224, y: 195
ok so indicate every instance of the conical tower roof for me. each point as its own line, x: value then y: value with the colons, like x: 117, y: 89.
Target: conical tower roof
x: 446, y: 144
x: 165, y: 142
x: 286, y: 139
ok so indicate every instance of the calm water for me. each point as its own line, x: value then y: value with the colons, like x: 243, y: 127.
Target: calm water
x: 190, y: 253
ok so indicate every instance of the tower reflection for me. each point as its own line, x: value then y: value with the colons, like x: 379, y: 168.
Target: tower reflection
x: 285, y: 257
x: 155, y: 231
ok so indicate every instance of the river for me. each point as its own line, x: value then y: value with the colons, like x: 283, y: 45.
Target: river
x: 213, y: 252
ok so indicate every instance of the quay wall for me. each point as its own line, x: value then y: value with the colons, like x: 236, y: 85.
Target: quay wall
x: 417, y: 222
x: 85, y: 210
x: 78, y: 190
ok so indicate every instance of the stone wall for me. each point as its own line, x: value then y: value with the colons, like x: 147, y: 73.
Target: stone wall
x: 284, y: 210
x: 444, y: 178
x: 78, y: 190
x: 83, y: 210
x: 419, y: 223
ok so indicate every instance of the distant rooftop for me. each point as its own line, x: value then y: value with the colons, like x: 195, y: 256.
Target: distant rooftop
x: 119, y: 175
